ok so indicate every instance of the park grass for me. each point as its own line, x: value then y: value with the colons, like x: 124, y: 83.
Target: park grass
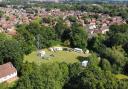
x: 59, y: 56
x: 7, y: 85
x: 121, y: 76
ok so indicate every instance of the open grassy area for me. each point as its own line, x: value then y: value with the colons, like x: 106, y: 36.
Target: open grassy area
x: 59, y: 56
x: 7, y: 85
x: 121, y: 76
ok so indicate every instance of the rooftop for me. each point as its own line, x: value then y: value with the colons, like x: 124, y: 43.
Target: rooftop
x: 7, y: 69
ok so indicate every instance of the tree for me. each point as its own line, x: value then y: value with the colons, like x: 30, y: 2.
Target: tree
x: 25, y: 38
x: 11, y: 51
x: 122, y: 84
x: 59, y: 29
x: 110, y: 81
x: 72, y: 19
x: 42, y: 34
x: 125, y: 47
x: 74, y: 69
x: 116, y: 58
x: 66, y: 36
x: 117, y: 35
x: 92, y: 77
x: 125, y: 68
x: 43, y: 76
x: 118, y: 39
x: 105, y: 65
x: 24, y: 83
x: 96, y: 43
x: 93, y: 60
x: 78, y: 37
x: 47, y: 35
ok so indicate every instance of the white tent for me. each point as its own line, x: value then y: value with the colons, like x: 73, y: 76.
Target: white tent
x: 41, y: 53
x: 51, y: 49
x: 87, y: 51
x: 78, y: 50
x: 84, y: 63
x: 56, y: 49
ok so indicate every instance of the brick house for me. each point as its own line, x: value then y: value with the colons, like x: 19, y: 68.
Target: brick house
x: 7, y: 72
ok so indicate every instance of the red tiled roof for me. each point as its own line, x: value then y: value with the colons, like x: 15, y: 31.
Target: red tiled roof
x: 7, y: 69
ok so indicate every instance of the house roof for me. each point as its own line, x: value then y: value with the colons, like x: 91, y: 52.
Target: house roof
x: 7, y: 69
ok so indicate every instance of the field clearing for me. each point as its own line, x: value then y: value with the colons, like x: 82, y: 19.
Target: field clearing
x: 59, y: 56
x: 121, y: 76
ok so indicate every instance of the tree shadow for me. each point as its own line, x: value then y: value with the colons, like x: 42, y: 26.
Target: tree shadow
x: 81, y: 58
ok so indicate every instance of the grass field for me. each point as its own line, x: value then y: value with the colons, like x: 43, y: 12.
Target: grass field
x: 59, y: 56
x: 121, y: 76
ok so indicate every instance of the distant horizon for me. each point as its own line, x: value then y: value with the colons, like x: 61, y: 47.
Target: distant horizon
x: 59, y: 1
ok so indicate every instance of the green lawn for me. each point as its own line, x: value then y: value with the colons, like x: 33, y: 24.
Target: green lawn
x: 121, y: 76
x: 7, y: 86
x: 59, y: 56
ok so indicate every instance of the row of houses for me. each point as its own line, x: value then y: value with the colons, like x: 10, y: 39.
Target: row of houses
x: 13, y: 16
x: 101, y: 25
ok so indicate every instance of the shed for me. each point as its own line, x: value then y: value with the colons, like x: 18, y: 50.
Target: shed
x: 84, y: 63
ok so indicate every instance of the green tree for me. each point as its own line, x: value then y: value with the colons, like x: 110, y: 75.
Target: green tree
x: 122, y: 84
x: 72, y: 19
x: 117, y: 35
x: 125, y: 68
x: 11, y: 51
x: 78, y: 37
x: 93, y: 60
x: 105, y: 65
x: 43, y: 76
x: 25, y: 38
x: 59, y: 29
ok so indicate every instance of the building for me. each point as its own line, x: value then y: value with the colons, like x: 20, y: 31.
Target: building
x: 7, y: 72
x: 56, y: 1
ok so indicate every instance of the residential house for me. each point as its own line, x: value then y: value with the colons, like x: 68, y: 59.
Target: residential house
x: 7, y: 72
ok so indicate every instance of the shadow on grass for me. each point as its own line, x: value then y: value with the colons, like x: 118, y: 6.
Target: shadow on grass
x: 81, y: 58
